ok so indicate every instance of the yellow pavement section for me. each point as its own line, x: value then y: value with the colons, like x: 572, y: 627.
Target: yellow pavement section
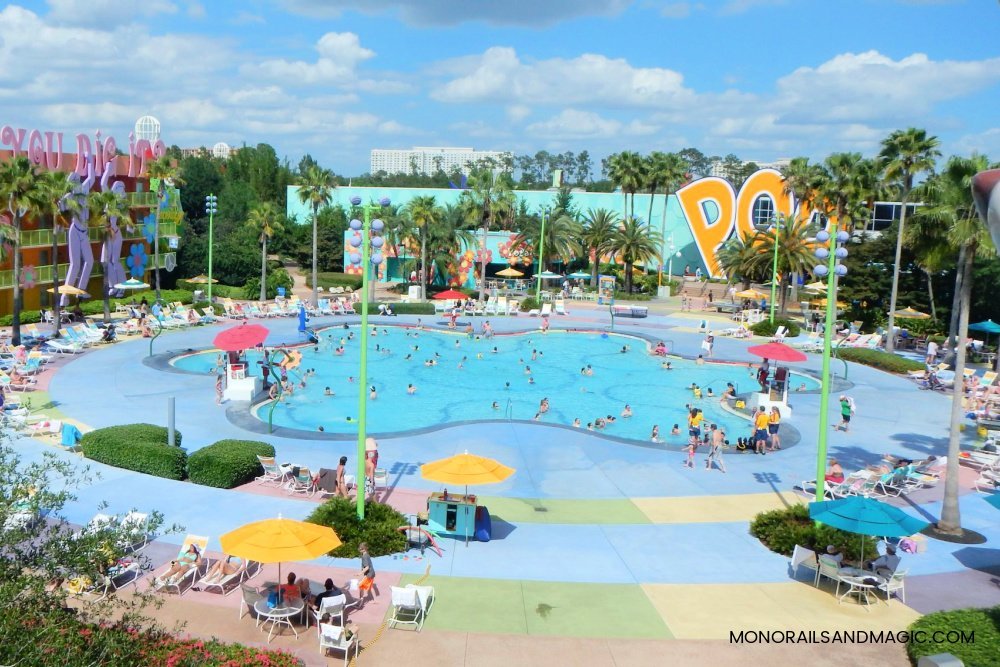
x: 711, y: 611
x: 42, y: 406
x: 709, y: 509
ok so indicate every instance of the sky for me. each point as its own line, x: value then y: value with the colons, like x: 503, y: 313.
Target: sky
x: 335, y: 78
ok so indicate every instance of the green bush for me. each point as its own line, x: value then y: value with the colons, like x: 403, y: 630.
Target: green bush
x: 27, y: 317
x: 528, y: 303
x: 139, y: 447
x: 985, y: 623
x: 780, y: 530
x: 275, y: 278
x: 878, y: 359
x: 328, y: 279
x: 767, y: 328
x: 203, y: 306
x: 228, y: 463
x: 380, y: 529
x: 227, y: 292
x: 400, y: 308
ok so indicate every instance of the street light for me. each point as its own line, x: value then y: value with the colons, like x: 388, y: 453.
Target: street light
x: 366, y: 259
x: 663, y: 253
x: 831, y: 270
x: 211, y: 207
x: 776, y: 228
x: 541, y: 262
x: 670, y: 263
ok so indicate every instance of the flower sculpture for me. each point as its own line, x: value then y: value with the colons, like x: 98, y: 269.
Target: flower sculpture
x: 149, y: 228
x: 515, y: 252
x: 28, y: 276
x: 136, y: 261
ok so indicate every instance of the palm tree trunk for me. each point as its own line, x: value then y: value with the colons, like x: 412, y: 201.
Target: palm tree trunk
x: 956, y: 299
x: 161, y: 192
x: 16, y: 316
x: 482, y: 263
x: 423, y: 263
x: 890, y: 340
x: 263, y: 267
x: 649, y: 215
x: 951, y: 518
x: 628, y: 278
x: 315, y: 275
x: 594, y: 266
x: 56, y: 306
x: 930, y: 294
x: 624, y: 205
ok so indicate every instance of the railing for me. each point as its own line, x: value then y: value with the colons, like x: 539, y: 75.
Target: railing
x: 43, y: 274
x: 42, y: 238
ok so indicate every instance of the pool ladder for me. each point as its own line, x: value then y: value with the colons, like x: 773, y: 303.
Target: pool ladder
x: 508, y: 411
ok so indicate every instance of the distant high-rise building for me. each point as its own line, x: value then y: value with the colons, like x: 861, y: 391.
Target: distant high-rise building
x: 221, y: 151
x: 147, y: 128
x: 427, y: 160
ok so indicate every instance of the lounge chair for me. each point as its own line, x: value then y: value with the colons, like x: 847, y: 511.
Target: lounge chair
x: 779, y: 334
x: 181, y: 582
x: 406, y: 609
x: 546, y: 309
x: 231, y: 582
x: 135, y: 531
x: 302, y: 483
x: 988, y: 482
x: 332, y: 637
x: 381, y: 480
x: 272, y: 472
x: 560, y: 306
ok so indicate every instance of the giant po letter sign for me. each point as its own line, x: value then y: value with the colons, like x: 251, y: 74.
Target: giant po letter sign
x: 735, y: 211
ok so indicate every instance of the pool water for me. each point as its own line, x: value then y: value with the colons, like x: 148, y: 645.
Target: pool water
x: 469, y: 377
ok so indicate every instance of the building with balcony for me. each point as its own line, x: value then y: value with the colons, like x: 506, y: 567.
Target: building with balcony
x: 428, y: 160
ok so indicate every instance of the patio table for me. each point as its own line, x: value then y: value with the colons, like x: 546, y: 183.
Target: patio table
x: 278, y: 615
x: 860, y: 586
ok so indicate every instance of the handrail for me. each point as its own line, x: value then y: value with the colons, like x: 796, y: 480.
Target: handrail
x: 509, y: 410
x: 42, y: 238
x: 43, y: 273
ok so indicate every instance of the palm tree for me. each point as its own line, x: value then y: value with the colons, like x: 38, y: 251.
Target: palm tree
x: 447, y: 238
x: 738, y: 258
x: 904, y: 155
x: 21, y: 195
x: 490, y: 198
x: 795, y: 252
x: 316, y: 189
x: 166, y: 170
x: 599, y: 229
x: 58, y: 205
x: 635, y: 242
x: 799, y: 180
x: 627, y: 170
x: 399, y: 230
x: 104, y: 208
x: 264, y: 218
x: 424, y: 213
x: 562, y: 236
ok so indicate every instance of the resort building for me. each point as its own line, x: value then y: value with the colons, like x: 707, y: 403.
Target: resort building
x: 427, y: 160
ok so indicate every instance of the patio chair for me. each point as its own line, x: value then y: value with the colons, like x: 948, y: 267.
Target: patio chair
x: 381, y: 480
x: 251, y: 596
x: 333, y: 637
x: 804, y: 557
x: 779, y: 334
x: 335, y: 605
x: 829, y: 569
x: 406, y: 608
x: 185, y: 580
x: 894, y: 584
x: 272, y: 472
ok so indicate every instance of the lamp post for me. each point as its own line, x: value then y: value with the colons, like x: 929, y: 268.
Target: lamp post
x: 663, y: 253
x: 211, y: 207
x: 774, y: 266
x: 831, y: 270
x: 541, y: 261
x: 670, y: 263
x: 366, y: 259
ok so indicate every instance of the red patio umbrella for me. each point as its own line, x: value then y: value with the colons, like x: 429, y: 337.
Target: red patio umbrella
x: 450, y: 294
x: 242, y: 337
x: 777, y: 352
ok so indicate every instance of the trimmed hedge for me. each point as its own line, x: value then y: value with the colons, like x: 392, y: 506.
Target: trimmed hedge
x: 780, y: 530
x: 941, y: 630
x: 878, y: 359
x: 767, y: 328
x: 139, y: 447
x: 400, y: 308
x: 228, y: 463
x: 380, y: 529
x: 328, y: 279
x: 528, y: 303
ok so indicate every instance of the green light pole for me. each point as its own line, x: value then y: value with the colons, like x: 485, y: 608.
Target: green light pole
x: 541, y: 261
x: 774, y: 266
x: 366, y: 259
x: 211, y: 207
x: 832, y: 269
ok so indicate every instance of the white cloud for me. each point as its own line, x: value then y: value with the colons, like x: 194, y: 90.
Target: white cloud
x: 247, y: 18
x: 517, y: 112
x: 680, y: 10
x: 499, y: 75
x: 530, y: 13
x: 743, y: 6
x: 575, y: 124
x: 196, y: 10
x: 106, y: 12
x: 339, y: 55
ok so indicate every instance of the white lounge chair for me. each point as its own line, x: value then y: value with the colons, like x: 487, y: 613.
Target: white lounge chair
x: 181, y: 582
x: 229, y: 583
x: 803, y: 557
x: 272, y: 472
x: 779, y: 334
x: 546, y: 309
x: 63, y: 348
x: 560, y: 306
x: 332, y: 637
x: 406, y: 608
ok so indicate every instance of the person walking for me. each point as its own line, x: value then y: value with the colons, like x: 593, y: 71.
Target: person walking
x: 708, y: 344
x: 846, y: 412
x: 367, y: 575
x: 715, y: 448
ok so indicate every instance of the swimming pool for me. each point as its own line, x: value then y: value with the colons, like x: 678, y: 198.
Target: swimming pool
x: 470, y: 377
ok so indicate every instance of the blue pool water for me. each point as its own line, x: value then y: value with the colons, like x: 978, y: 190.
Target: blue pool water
x: 447, y: 393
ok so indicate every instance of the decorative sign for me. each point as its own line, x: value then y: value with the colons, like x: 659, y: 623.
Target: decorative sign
x: 46, y: 148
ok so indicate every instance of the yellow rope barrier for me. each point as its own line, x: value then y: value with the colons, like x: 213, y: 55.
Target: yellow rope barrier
x: 385, y: 624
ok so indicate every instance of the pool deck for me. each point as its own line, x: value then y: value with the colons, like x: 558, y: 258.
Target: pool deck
x: 608, y: 550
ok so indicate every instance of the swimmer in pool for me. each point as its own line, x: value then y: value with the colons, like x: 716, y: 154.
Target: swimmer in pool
x: 676, y: 430
x: 372, y: 394
x: 543, y: 407
x: 627, y: 412
x: 328, y: 392
x: 655, y: 435
x: 496, y: 406
x: 666, y: 366
x: 350, y: 378
x: 410, y: 389
x: 576, y: 423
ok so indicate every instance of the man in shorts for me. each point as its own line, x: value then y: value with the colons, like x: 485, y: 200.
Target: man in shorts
x: 846, y: 410
x: 367, y: 575
x: 715, y: 451
x: 760, y: 424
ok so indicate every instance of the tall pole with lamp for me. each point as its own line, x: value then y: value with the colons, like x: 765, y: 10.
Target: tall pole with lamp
x: 776, y: 227
x: 366, y: 259
x: 541, y: 257
x: 833, y: 269
x: 211, y: 207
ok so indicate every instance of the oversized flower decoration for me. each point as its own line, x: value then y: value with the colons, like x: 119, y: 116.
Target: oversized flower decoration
x: 136, y: 261
x: 516, y: 253
x: 149, y: 228
x: 479, y: 256
x: 458, y: 272
x: 28, y: 276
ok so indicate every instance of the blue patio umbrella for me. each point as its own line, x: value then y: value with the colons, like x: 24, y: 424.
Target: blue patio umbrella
x: 865, y: 516
x: 986, y: 326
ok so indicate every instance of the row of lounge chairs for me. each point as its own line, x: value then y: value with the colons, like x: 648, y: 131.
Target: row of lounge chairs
x: 878, y: 483
x: 296, y: 480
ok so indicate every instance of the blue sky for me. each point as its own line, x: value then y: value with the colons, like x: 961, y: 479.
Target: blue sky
x: 335, y: 78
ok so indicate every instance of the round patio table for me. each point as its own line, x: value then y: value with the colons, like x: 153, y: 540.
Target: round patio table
x: 278, y: 615
x: 857, y: 585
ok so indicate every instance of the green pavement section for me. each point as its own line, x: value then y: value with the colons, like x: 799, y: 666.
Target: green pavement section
x: 542, y: 608
x: 534, y: 510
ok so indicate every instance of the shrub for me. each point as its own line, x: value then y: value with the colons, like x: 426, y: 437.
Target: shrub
x: 227, y: 291
x: 985, y: 623
x: 228, y: 463
x: 139, y: 447
x: 328, y: 279
x: 275, y: 278
x: 27, y: 317
x: 529, y: 303
x: 878, y: 359
x: 767, y: 328
x: 380, y: 529
x: 780, y: 530
x: 401, y: 308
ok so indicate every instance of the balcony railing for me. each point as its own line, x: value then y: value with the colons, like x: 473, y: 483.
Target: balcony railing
x: 43, y: 274
x: 42, y: 238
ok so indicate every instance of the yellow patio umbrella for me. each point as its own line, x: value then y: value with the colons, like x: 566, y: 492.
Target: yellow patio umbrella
x: 67, y: 289
x: 816, y: 286
x: 751, y: 294
x: 466, y: 469
x: 822, y: 303
x: 911, y: 314
x: 510, y: 272
x: 201, y: 279
x: 279, y: 540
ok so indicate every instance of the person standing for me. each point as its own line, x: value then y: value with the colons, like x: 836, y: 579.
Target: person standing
x: 340, y: 480
x: 367, y: 575
x: 846, y: 412
x: 932, y: 352
x: 773, y: 426
x: 715, y: 451
x: 708, y: 344
x: 760, y: 425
